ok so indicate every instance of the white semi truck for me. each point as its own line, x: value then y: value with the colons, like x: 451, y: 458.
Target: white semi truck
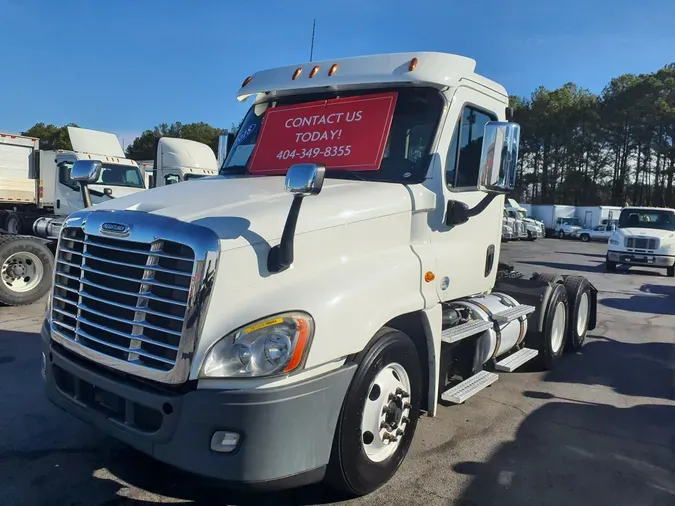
x: 36, y: 195
x: 179, y: 160
x: 276, y: 338
x: 531, y: 228
x: 644, y: 236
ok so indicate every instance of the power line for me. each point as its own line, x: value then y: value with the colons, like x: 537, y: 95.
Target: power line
x: 311, y: 49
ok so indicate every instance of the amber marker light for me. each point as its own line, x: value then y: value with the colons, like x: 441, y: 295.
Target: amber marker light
x: 429, y: 276
x: 314, y: 71
x: 303, y: 336
x: 297, y: 73
x: 413, y: 64
x: 246, y: 81
x: 333, y: 69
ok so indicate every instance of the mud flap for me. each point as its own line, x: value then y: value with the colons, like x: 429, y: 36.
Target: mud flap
x: 532, y: 292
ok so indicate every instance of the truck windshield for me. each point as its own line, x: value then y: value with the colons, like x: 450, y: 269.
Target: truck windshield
x: 406, y: 153
x: 647, y: 218
x: 111, y: 175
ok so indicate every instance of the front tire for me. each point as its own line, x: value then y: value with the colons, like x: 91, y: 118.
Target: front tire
x: 670, y: 272
x: 585, y: 237
x: 26, y: 266
x: 610, y: 266
x: 383, y: 401
x: 561, y: 234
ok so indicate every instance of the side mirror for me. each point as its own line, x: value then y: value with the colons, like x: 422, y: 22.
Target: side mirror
x: 302, y: 180
x: 86, y: 171
x: 305, y: 179
x: 499, y: 157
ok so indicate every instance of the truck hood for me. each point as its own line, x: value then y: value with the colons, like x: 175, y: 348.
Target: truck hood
x: 646, y: 232
x: 250, y: 210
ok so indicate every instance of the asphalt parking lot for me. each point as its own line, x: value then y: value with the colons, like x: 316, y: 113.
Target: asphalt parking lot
x: 599, y: 430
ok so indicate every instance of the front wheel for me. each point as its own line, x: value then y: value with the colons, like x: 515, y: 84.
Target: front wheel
x: 25, y: 270
x: 379, y: 415
x: 585, y: 237
x: 670, y: 272
x: 561, y: 234
x: 610, y: 266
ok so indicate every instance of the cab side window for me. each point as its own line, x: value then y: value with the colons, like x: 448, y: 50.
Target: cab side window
x: 463, y: 161
x: 64, y: 175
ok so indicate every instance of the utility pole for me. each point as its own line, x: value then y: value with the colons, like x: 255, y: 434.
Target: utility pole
x: 311, y: 49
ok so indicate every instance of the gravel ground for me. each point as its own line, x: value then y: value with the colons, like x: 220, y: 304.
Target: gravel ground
x: 599, y: 430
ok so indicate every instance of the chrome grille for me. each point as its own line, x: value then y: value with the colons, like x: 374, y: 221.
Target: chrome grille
x: 120, y: 298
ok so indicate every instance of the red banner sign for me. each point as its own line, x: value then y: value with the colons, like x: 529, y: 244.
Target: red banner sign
x: 343, y: 133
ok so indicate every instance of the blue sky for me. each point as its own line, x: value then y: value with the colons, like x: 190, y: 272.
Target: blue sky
x: 127, y: 65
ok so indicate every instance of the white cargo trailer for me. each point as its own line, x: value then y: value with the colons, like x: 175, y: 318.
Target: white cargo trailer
x: 592, y: 216
x: 559, y: 220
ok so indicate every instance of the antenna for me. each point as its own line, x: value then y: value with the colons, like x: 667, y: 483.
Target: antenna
x: 311, y: 49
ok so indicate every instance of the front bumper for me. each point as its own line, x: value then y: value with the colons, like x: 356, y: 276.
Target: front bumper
x: 286, y: 432
x: 536, y: 232
x: 508, y: 235
x: 649, y: 259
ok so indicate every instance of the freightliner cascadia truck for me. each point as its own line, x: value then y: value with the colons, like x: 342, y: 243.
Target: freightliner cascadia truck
x: 291, y: 319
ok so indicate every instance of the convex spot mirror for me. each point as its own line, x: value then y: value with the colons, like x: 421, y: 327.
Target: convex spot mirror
x: 499, y: 157
x: 86, y: 171
x: 305, y: 179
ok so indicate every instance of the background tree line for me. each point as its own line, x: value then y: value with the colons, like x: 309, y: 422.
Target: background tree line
x: 576, y: 147
x: 143, y: 147
x: 618, y: 147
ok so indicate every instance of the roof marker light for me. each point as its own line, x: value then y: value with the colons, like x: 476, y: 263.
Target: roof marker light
x: 314, y: 71
x: 297, y: 73
x: 333, y: 69
x: 413, y: 64
x: 246, y: 81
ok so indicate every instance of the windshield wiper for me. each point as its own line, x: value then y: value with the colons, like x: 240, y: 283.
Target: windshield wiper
x: 233, y: 169
x: 354, y: 174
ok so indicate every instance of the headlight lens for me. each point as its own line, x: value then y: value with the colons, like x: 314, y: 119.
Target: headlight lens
x: 614, y: 242
x: 274, y: 345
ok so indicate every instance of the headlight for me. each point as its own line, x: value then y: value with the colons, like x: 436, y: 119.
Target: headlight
x: 275, y: 345
x: 614, y: 242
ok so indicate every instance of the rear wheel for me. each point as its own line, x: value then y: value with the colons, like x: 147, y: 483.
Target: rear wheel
x: 379, y: 415
x: 548, y: 276
x: 579, y: 299
x: 551, y: 341
x: 25, y: 269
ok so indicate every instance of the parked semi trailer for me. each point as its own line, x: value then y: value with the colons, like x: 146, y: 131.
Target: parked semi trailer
x: 37, y: 193
x: 289, y: 320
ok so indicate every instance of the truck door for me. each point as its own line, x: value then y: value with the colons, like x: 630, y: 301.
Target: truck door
x: 68, y: 197
x: 467, y: 254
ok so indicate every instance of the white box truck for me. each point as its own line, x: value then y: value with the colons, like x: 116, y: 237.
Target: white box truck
x: 36, y: 195
x: 276, y: 338
x: 592, y: 216
x: 644, y: 236
x: 559, y: 220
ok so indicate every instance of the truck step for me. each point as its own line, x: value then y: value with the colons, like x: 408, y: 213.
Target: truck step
x: 512, y: 313
x: 454, y: 334
x: 469, y: 387
x: 514, y: 361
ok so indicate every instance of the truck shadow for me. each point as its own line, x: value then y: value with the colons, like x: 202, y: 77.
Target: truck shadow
x: 580, y: 253
x: 660, y: 301
x: 599, y: 267
x: 583, y: 454
x: 637, y: 370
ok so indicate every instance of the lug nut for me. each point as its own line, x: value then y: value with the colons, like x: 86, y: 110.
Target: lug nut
x: 392, y: 397
x: 404, y: 420
x: 406, y: 405
x: 402, y: 393
x: 385, y: 425
x: 399, y: 432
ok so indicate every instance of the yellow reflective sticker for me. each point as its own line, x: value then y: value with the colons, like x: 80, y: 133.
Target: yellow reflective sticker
x: 262, y: 325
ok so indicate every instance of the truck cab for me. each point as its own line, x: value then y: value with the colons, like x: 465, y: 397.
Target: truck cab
x: 644, y: 236
x: 533, y: 229
x: 179, y: 160
x: 334, y: 280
